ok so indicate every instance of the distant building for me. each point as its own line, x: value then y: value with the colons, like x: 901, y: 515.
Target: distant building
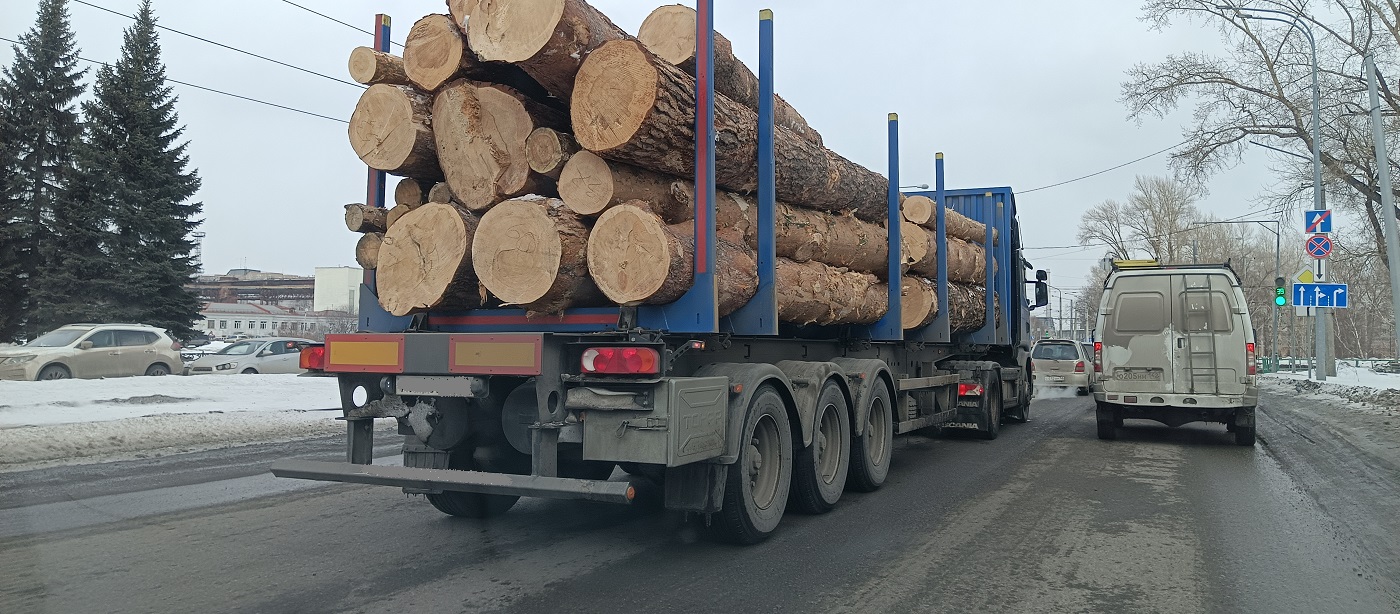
x: 223, y: 320
x: 338, y: 289
x: 254, y: 286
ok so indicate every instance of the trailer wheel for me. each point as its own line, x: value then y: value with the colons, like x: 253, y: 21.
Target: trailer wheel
x: 1022, y: 414
x: 500, y: 458
x: 756, y: 486
x: 819, y: 475
x: 870, y: 453
x: 991, y: 404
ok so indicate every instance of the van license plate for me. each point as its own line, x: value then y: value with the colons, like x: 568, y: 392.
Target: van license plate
x: 1138, y: 375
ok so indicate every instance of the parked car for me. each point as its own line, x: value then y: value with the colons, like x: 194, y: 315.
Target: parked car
x: 1060, y: 363
x: 1175, y: 345
x: 262, y: 355
x: 91, y: 351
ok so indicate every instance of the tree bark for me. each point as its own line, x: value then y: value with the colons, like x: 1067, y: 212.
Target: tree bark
x: 392, y: 130
x: 367, y: 249
x: 965, y: 228
x: 669, y: 32
x: 648, y: 120
x: 589, y: 185
x: 481, y: 131
x: 436, y: 53
x: 364, y: 218
x: 425, y: 261
x: 372, y: 67
x: 967, y: 305
x: 548, y: 150
x: 411, y: 192
x: 532, y: 252
x: 549, y: 39
x: 814, y: 293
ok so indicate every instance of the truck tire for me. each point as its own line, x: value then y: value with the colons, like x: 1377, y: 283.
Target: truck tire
x: 500, y: 458
x: 1108, y: 421
x: 819, y: 473
x: 991, y: 404
x: 756, y: 486
x: 870, y: 453
x: 1022, y: 413
x: 1244, y: 436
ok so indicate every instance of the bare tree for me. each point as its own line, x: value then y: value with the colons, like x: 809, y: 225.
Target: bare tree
x: 1152, y: 222
x: 1103, y: 223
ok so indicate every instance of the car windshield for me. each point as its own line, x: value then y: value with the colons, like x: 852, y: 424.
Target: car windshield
x: 243, y: 348
x: 1055, y: 351
x: 58, y: 338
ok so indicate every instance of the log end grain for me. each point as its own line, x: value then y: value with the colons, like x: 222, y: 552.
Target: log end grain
x: 367, y: 249
x: 669, y: 32
x: 517, y: 250
x: 548, y: 150
x: 614, y: 93
x: 425, y: 261
x: 440, y: 193
x: 395, y: 213
x: 586, y: 184
x: 461, y: 11
x: 480, y: 133
x: 512, y: 31
x: 370, y: 67
x: 433, y: 51
x: 410, y: 192
x: 391, y: 130
x: 364, y: 218
x: 631, y: 254
x: 918, y: 303
x: 917, y: 209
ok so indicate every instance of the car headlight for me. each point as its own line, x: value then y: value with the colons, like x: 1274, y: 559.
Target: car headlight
x: 226, y: 366
x: 19, y: 360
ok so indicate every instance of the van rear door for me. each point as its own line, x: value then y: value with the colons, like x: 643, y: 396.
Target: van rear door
x: 1210, y: 335
x: 1137, y: 335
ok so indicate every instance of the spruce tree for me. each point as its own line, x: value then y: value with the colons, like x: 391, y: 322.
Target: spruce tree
x: 135, y: 170
x: 39, y: 126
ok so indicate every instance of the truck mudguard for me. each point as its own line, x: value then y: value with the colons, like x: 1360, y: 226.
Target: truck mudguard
x: 807, y: 380
x: 745, y: 377
x: 862, y: 374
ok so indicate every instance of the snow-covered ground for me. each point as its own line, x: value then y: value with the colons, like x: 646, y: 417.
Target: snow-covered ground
x: 74, y: 421
x: 1359, y: 404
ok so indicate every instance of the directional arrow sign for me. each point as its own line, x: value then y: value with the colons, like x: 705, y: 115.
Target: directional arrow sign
x: 1318, y: 246
x: 1320, y: 295
x: 1317, y: 220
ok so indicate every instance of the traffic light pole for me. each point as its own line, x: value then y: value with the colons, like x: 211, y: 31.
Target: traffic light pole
x: 1392, y: 240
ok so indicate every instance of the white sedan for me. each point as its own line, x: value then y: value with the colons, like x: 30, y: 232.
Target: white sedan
x: 266, y: 355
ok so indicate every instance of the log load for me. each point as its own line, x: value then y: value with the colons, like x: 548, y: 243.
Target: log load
x: 532, y: 252
x: 814, y: 293
x: 436, y: 53
x: 441, y: 193
x: 367, y: 249
x: 425, y: 261
x: 395, y: 213
x: 480, y: 132
x: 411, y: 192
x: 548, y: 150
x: 392, y: 130
x: 372, y: 67
x: 548, y: 39
x: 461, y: 11
x: 631, y: 106
x: 967, y: 262
x: 967, y: 305
x: 669, y: 32
x: 365, y: 218
x: 919, y: 210
x: 589, y: 185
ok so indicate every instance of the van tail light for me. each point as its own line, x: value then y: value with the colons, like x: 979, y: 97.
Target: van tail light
x: 1098, y: 357
x: 1252, y: 367
x: 970, y: 390
x: 313, y: 358
x: 621, y: 361
x: 1079, y: 367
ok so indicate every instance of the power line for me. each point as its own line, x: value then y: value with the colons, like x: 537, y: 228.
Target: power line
x: 1056, y: 185
x: 1088, y: 246
x: 229, y: 47
x: 210, y: 89
x: 352, y: 27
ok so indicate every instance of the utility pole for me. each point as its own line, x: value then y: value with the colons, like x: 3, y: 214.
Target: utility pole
x: 1392, y: 240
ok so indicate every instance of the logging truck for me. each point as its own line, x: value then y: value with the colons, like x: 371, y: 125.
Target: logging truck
x: 568, y: 302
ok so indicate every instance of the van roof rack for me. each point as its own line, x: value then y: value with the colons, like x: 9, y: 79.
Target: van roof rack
x: 1129, y: 265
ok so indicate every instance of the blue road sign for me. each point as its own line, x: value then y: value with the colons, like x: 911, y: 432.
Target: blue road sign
x: 1320, y: 295
x: 1317, y: 220
x: 1318, y: 246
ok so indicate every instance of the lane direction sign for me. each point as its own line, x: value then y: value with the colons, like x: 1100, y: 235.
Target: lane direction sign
x: 1320, y: 295
x: 1317, y: 220
x: 1318, y: 246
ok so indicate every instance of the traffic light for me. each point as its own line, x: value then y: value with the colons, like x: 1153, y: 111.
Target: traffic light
x: 1280, y: 293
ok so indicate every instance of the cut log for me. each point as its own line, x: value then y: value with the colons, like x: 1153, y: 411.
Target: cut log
x: 461, y: 11
x: 364, y: 218
x: 372, y: 67
x: 392, y: 130
x: 532, y: 252
x: 441, y: 193
x: 549, y: 39
x: 436, y: 53
x: 481, y: 131
x: 367, y: 249
x: 965, y: 228
x: 918, y: 303
x: 548, y: 150
x: 917, y: 209
x: 394, y: 214
x: 589, y: 185
x: 633, y: 107
x: 669, y: 32
x: 411, y: 192
x: 967, y: 305
x: 634, y: 257
x: 920, y: 249
x: 967, y: 308
x: 967, y: 262
x: 814, y: 293
x: 425, y: 261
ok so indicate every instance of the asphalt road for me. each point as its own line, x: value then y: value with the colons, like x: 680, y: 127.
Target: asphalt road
x: 1045, y: 519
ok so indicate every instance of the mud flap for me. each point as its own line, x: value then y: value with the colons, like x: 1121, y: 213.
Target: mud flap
x: 1244, y: 416
x: 697, y: 487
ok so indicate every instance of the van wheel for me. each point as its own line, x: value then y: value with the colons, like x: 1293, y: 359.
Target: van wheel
x: 991, y: 404
x: 871, y: 452
x: 1244, y: 435
x: 756, y: 486
x: 819, y: 475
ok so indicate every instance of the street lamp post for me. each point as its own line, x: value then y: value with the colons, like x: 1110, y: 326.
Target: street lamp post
x: 1392, y: 240
x: 1278, y: 263
x: 1295, y: 21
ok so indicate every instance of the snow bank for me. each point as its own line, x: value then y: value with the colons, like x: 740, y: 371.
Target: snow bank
x: 1377, y: 392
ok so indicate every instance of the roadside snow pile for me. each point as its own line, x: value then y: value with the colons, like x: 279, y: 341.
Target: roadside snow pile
x: 92, y: 420
x: 1380, y: 391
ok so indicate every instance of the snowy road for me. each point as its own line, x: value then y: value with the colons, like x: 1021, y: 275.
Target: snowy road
x: 1046, y: 518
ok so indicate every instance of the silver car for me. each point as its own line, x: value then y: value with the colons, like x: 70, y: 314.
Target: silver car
x: 91, y: 351
x: 1061, y: 364
x: 262, y: 355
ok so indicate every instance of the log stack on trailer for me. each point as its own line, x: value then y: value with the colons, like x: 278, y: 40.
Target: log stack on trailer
x: 561, y: 148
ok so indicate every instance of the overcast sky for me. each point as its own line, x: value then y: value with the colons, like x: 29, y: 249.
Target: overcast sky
x: 1016, y: 93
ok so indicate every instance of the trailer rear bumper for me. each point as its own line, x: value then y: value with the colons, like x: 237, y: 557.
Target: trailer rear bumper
x: 459, y: 481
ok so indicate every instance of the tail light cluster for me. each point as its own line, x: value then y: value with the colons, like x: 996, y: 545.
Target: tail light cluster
x: 621, y: 360
x: 1079, y: 367
x: 973, y: 390
x: 313, y: 357
x: 1098, y: 357
x: 1251, y: 366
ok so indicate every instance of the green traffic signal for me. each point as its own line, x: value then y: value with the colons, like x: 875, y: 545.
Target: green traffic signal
x: 1280, y: 300
x: 1280, y: 293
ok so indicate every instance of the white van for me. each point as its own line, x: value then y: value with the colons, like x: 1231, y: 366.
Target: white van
x: 1174, y: 344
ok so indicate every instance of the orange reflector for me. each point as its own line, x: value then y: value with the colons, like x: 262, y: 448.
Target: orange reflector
x: 364, y: 353
x: 736, y: 389
x: 1129, y: 399
x: 631, y: 493
x: 495, y: 354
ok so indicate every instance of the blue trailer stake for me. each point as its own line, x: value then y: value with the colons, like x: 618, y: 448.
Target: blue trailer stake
x: 891, y: 326
x: 760, y: 315
x: 940, y: 331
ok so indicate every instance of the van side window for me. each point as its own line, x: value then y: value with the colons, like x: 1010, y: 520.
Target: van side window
x: 1140, y: 313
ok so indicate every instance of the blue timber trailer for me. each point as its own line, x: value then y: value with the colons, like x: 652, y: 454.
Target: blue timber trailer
x: 730, y: 419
